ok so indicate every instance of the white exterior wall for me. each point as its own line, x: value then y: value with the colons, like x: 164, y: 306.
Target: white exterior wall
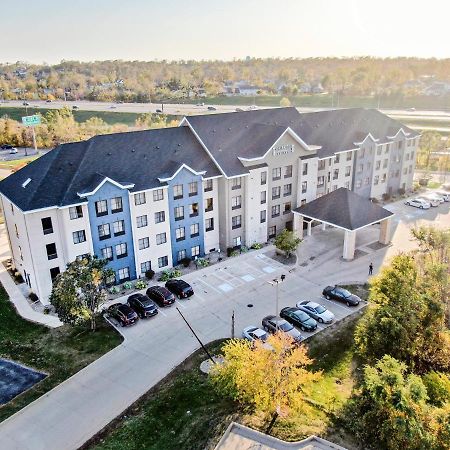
x: 212, y: 237
x: 153, y: 252
x: 310, y: 178
x: 409, y: 163
x: 379, y: 189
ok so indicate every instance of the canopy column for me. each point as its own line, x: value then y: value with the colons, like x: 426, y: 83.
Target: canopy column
x: 385, y: 231
x: 349, y: 245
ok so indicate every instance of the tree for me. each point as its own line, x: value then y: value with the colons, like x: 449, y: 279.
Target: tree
x: 429, y: 142
x: 287, y: 242
x: 275, y: 382
x: 79, y: 291
x: 285, y: 102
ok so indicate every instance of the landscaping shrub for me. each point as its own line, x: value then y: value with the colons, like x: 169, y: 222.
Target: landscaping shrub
x: 186, y: 262
x: 386, y: 196
x: 229, y: 251
x: 114, y: 290
x: 140, y: 284
x: 256, y: 246
x: 127, y: 285
x: 202, y: 262
x: 149, y: 274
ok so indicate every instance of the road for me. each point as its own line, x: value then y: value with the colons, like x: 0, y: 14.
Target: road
x: 74, y: 411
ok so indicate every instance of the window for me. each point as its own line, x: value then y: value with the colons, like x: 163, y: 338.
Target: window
x: 236, y: 183
x: 161, y: 238
x: 119, y: 227
x: 16, y: 229
x: 288, y: 172
x: 78, y: 236
x: 54, y: 272
x: 334, y: 187
x: 194, y: 230
x: 287, y: 190
x: 104, y: 231
x: 320, y: 181
x: 303, y: 202
x: 107, y: 253
x: 177, y: 191
x: 179, y: 212
x: 287, y: 208
x: 124, y: 274
x: 304, y: 186
x: 379, y: 150
x: 410, y: 169
x: 144, y: 243
x: 75, y: 212
x: 263, y: 197
x: 236, y: 222
x: 160, y: 216
x: 209, y: 224
x: 181, y: 254
x: 101, y: 208
x: 209, y: 204
x: 51, y: 251
x: 275, y: 210
x: 180, y: 234
x: 141, y: 221
x: 336, y: 158
x: 116, y: 205
x: 376, y: 180
x: 335, y: 174
x: 262, y: 216
x: 347, y: 185
x: 276, y: 173
x: 322, y: 163
x: 383, y: 178
x: 305, y: 169
x: 47, y: 226
x: 378, y: 165
x: 158, y: 194
x: 360, y: 168
x: 121, y: 250
x: 348, y: 171
x: 400, y: 145
x: 358, y: 184
x: 263, y: 178
x: 237, y: 241
x: 193, y: 209
x: 385, y: 163
x: 349, y: 156
x: 163, y: 261
x: 362, y: 153
x: 208, y: 185
x: 272, y: 232
x: 139, y: 199
x: 388, y: 147
x: 146, y: 266
x: 195, y: 251
x: 236, y: 202
x: 276, y: 192
x: 193, y: 190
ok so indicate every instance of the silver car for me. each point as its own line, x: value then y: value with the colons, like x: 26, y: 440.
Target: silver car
x: 418, y: 203
x: 273, y: 324
x: 444, y: 195
x: 253, y: 333
x: 316, y: 311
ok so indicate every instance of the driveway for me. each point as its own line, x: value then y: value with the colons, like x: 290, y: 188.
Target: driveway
x: 78, y: 408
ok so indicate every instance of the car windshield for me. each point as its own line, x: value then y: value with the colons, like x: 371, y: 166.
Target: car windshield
x: 345, y: 293
x: 285, y: 326
x: 302, y: 316
x: 147, y: 303
x: 320, y: 309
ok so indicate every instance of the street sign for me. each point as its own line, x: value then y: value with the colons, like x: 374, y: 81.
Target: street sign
x: 31, y: 121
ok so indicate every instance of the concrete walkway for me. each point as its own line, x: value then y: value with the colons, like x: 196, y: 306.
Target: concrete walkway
x: 74, y: 411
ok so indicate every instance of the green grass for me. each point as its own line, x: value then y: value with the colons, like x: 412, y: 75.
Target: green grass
x: 10, y: 165
x: 434, y: 184
x: 58, y: 352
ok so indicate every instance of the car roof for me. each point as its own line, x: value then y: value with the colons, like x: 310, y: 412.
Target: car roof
x: 258, y: 332
x: 313, y: 304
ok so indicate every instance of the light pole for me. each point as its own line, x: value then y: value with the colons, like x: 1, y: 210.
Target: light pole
x: 275, y: 282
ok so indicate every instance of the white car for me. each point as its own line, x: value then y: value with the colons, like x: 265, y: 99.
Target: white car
x: 444, y: 195
x: 316, y: 311
x: 253, y: 333
x: 13, y: 151
x: 432, y: 200
x: 435, y: 196
x: 418, y: 203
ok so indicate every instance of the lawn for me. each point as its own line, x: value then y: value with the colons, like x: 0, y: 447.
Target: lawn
x: 183, y: 411
x: 58, y: 352
x: 14, y: 163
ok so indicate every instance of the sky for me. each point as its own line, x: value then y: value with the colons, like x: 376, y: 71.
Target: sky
x: 89, y: 30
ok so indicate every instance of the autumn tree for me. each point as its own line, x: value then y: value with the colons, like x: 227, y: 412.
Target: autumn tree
x: 79, y: 291
x: 273, y: 378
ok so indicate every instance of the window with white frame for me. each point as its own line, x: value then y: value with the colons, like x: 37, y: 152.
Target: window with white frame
x: 304, y: 186
x: 104, y: 231
x: 160, y: 216
x: 119, y: 227
x: 376, y: 179
x: 193, y: 209
x: 207, y: 185
x: 79, y: 236
x: 144, y: 243
x: 348, y: 171
x: 236, y: 183
x: 287, y: 208
x: 195, y: 229
x: 180, y: 234
x: 358, y: 184
x: 272, y: 231
x: 263, y: 178
x: 237, y: 241
x: 262, y: 216
x: 335, y: 174
x: 378, y: 165
x: 141, y: 221
x: 322, y: 163
x: 209, y: 204
x: 287, y: 190
x: 305, y: 169
x: 263, y: 197
x: 236, y: 222
x: 121, y: 250
x: 101, y: 208
x: 161, y: 238
x: 349, y: 156
x: 193, y: 188
x: 195, y: 251
x: 276, y: 210
x: 181, y: 254
x: 288, y: 171
x: 163, y: 261
x: 107, y: 253
x: 337, y: 157
x: 209, y: 224
x: 383, y: 178
x: 145, y: 267
x: 276, y: 173
x: 236, y: 202
x: 179, y: 212
x: 116, y: 205
x: 75, y: 212
x: 379, y: 149
x: 139, y: 199
x: 320, y: 181
x: 276, y: 192
x: 124, y: 274
x: 388, y: 147
x: 177, y: 191
x: 158, y: 194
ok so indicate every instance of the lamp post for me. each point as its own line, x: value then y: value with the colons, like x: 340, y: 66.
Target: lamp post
x: 275, y: 282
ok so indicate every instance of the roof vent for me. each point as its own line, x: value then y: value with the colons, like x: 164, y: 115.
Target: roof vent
x: 133, y: 150
x: 157, y: 147
x: 214, y: 130
x: 109, y: 153
x: 26, y: 182
x: 229, y: 128
x: 246, y: 126
x: 179, y: 145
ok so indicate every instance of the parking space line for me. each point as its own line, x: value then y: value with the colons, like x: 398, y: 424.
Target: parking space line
x: 162, y: 312
x: 337, y: 304
x: 212, y: 287
x: 183, y: 306
x: 228, y: 280
x: 261, y: 273
x: 197, y: 295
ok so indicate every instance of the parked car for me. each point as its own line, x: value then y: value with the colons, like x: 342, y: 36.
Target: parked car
x: 434, y: 196
x: 212, y: 108
x: 298, y: 318
x: 123, y: 314
x: 253, y: 333
x: 433, y: 201
x: 159, y: 110
x: 200, y: 104
x: 75, y: 107
x: 418, y: 203
x: 25, y: 104
x: 272, y: 324
x: 341, y: 294
x: 48, y: 101
x: 160, y: 295
x: 444, y: 195
x: 7, y: 147
x: 180, y: 288
x: 316, y: 311
x: 142, y: 305
x: 13, y: 151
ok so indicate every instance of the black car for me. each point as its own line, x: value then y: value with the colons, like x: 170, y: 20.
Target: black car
x: 142, y: 305
x: 123, y: 313
x: 341, y: 294
x: 7, y: 147
x: 161, y: 295
x: 180, y: 288
x: 298, y: 318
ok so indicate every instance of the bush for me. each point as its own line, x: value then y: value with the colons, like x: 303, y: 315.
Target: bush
x: 438, y: 388
x: 244, y: 249
x: 114, y: 290
x: 46, y: 310
x: 256, y: 246
x: 169, y: 274
x: 33, y: 297
x: 229, y: 251
x: 149, y: 274
x: 175, y: 273
x: 140, y: 284
x: 202, y: 262
x: 234, y: 253
x: 185, y: 261
x: 127, y: 285
x: 386, y: 196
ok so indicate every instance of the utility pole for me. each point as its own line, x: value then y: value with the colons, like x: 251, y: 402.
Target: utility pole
x: 232, y: 325
x: 275, y: 282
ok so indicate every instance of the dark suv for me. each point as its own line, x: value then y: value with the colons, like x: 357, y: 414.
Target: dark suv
x: 161, y: 295
x: 123, y: 314
x: 142, y: 305
x: 180, y: 288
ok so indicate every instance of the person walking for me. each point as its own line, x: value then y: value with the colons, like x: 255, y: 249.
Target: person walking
x: 370, y: 269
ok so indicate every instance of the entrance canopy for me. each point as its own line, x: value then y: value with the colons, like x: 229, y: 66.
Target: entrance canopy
x: 346, y: 210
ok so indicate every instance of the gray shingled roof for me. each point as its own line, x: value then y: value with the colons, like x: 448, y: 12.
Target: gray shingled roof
x: 345, y: 209
x: 138, y: 157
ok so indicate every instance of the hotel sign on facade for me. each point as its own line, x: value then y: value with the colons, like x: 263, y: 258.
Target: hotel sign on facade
x: 283, y: 149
